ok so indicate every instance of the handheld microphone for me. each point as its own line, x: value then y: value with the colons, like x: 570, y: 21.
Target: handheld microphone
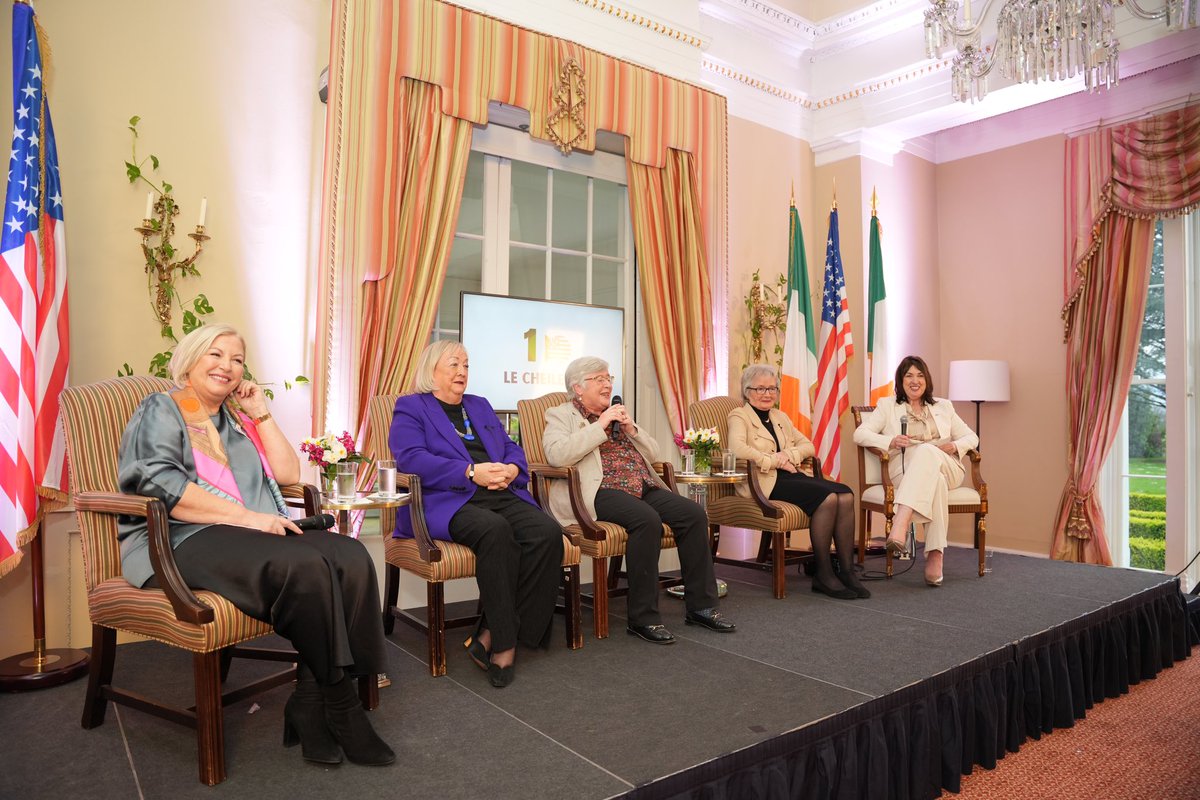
x: 615, y: 427
x: 319, y: 522
x: 904, y: 426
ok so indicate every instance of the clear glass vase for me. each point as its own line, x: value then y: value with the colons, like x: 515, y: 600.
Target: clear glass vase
x: 703, y: 462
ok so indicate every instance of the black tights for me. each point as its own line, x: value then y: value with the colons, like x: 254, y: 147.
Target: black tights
x: 833, y: 521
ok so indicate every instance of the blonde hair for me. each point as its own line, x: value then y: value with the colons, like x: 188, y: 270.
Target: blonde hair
x: 196, y: 344
x: 422, y: 382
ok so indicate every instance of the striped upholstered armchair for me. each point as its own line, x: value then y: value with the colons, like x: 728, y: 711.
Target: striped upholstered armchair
x: 202, y: 622
x: 435, y: 561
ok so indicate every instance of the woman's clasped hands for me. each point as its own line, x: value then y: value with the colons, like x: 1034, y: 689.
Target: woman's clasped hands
x: 784, y: 462
x: 495, y: 476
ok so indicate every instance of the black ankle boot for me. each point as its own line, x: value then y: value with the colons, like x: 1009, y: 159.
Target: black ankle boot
x: 304, y: 722
x: 350, y: 726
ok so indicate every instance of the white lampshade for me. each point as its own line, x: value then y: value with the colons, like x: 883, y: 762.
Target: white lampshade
x: 985, y: 381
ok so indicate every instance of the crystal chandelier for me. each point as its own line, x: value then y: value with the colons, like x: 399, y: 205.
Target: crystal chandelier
x: 1039, y: 40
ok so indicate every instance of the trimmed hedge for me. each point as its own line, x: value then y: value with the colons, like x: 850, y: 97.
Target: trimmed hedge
x: 1147, y: 553
x: 1148, y: 524
x: 1140, y: 501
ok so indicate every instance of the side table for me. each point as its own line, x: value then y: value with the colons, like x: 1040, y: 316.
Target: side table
x: 697, y: 489
x: 362, y: 502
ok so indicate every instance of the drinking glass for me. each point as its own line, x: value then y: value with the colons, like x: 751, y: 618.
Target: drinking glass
x: 385, y: 482
x: 689, y: 462
x: 728, y: 462
x: 347, y: 472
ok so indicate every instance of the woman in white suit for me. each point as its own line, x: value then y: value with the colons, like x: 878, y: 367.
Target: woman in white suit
x: 926, y: 460
x: 764, y: 436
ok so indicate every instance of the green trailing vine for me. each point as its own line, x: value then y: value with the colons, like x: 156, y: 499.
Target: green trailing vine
x: 767, y: 306
x: 164, y: 268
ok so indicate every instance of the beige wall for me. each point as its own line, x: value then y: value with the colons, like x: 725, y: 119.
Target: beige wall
x: 764, y: 166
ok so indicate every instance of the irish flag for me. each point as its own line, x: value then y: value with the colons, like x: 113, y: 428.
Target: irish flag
x: 880, y: 365
x: 799, y: 344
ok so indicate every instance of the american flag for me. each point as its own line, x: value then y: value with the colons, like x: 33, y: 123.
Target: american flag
x: 33, y: 306
x: 833, y: 388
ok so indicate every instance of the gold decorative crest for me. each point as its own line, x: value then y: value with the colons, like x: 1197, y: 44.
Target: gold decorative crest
x: 565, y: 126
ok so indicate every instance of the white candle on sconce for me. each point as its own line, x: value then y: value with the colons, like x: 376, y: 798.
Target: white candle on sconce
x: 149, y: 205
x: 203, y: 211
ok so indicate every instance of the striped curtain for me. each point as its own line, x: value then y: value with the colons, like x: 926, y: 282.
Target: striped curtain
x: 664, y: 206
x: 473, y: 59
x: 1118, y: 182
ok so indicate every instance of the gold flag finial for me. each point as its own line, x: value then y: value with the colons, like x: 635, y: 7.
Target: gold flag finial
x: 793, y: 194
x: 874, y: 200
x: 834, y: 206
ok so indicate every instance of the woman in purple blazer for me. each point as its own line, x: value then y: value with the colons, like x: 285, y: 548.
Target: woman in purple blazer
x: 474, y: 479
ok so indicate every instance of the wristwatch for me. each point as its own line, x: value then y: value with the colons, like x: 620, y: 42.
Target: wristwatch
x: 471, y: 473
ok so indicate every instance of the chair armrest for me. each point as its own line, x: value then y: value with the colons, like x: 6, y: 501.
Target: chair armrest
x: 186, y: 605
x: 884, y: 458
x: 765, y: 506
x: 306, y: 493
x: 977, y: 475
x: 666, y: 471
x: 428, y: 548
x: 544, y: 473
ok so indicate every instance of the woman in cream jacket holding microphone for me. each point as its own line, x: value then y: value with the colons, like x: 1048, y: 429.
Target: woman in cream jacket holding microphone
x: 927, y: 441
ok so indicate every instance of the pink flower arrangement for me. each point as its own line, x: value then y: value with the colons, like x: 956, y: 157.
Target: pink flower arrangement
x: 326, y: 452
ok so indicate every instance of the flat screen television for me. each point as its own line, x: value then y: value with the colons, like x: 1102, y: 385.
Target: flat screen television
x: 519, y: 348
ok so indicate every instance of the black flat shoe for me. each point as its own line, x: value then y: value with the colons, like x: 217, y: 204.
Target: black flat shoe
x: 839, y: 594
x: 478, y: 653
x: 655, y: 634
x: 711, y: 619
x: 859, y: 590
x: 501, y: 676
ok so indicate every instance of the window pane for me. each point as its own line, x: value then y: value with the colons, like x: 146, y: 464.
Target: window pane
x: 526, y: 272
x: 470, y: 215
x: 608, y: 214
x: 607, y: 280
x: 1152, y: 350
x: 463, y: 274
x: 568, y: 278
x: 570, y: 211
x: 528, y: 221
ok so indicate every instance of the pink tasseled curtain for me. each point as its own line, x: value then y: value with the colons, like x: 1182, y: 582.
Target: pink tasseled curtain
x: 1118, y: 182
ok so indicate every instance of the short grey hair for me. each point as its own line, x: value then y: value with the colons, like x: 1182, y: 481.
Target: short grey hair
x: 196, y: 344
x: 753, y: 373
x: 577, y: 369
x: 422, y: 382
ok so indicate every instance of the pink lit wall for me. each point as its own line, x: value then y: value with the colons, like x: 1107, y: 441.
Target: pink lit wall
x: 999, y: 263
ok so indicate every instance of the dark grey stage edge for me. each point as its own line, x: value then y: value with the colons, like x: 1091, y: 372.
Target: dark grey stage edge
x: 616, y: 717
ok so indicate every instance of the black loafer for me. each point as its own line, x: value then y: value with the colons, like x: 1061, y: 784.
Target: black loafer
x: 837, y: 594
x: 501, y: 676
x: 711, y: 619
x: 655, y: 634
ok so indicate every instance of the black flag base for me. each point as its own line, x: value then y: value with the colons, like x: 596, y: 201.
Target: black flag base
x: 41, y: 668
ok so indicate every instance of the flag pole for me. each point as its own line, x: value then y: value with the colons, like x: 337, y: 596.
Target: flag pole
x: 40, y: 668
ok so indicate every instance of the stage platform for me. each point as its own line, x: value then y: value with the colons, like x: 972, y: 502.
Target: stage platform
x: 895, y: 696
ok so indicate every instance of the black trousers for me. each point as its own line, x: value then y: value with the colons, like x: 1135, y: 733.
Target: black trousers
x: 643, y: 518
x: 318, y: 590
x: 518, y: 559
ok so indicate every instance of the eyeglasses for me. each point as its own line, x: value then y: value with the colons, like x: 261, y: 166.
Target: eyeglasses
x: 763, y: 389
x: 601, y: 379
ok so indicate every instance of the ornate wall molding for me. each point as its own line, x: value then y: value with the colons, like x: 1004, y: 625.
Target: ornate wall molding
x: 650, y: 22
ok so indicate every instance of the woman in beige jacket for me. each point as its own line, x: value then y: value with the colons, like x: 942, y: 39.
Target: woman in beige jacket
x: 764, y: 436
x: 927, y: 441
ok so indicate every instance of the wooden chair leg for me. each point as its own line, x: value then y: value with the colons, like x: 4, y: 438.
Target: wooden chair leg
x: 368, y: 691
x: 766, y: 541
x: 779, y: 551
x: 436, y: 600
x: 887, y: 527
x: 391, y: 593
x: 210, y: 734
x: 981, y: 542
x: 571, y: 602
x: 100, y: 670
x: 599, y: 598
x: 226, y: 662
